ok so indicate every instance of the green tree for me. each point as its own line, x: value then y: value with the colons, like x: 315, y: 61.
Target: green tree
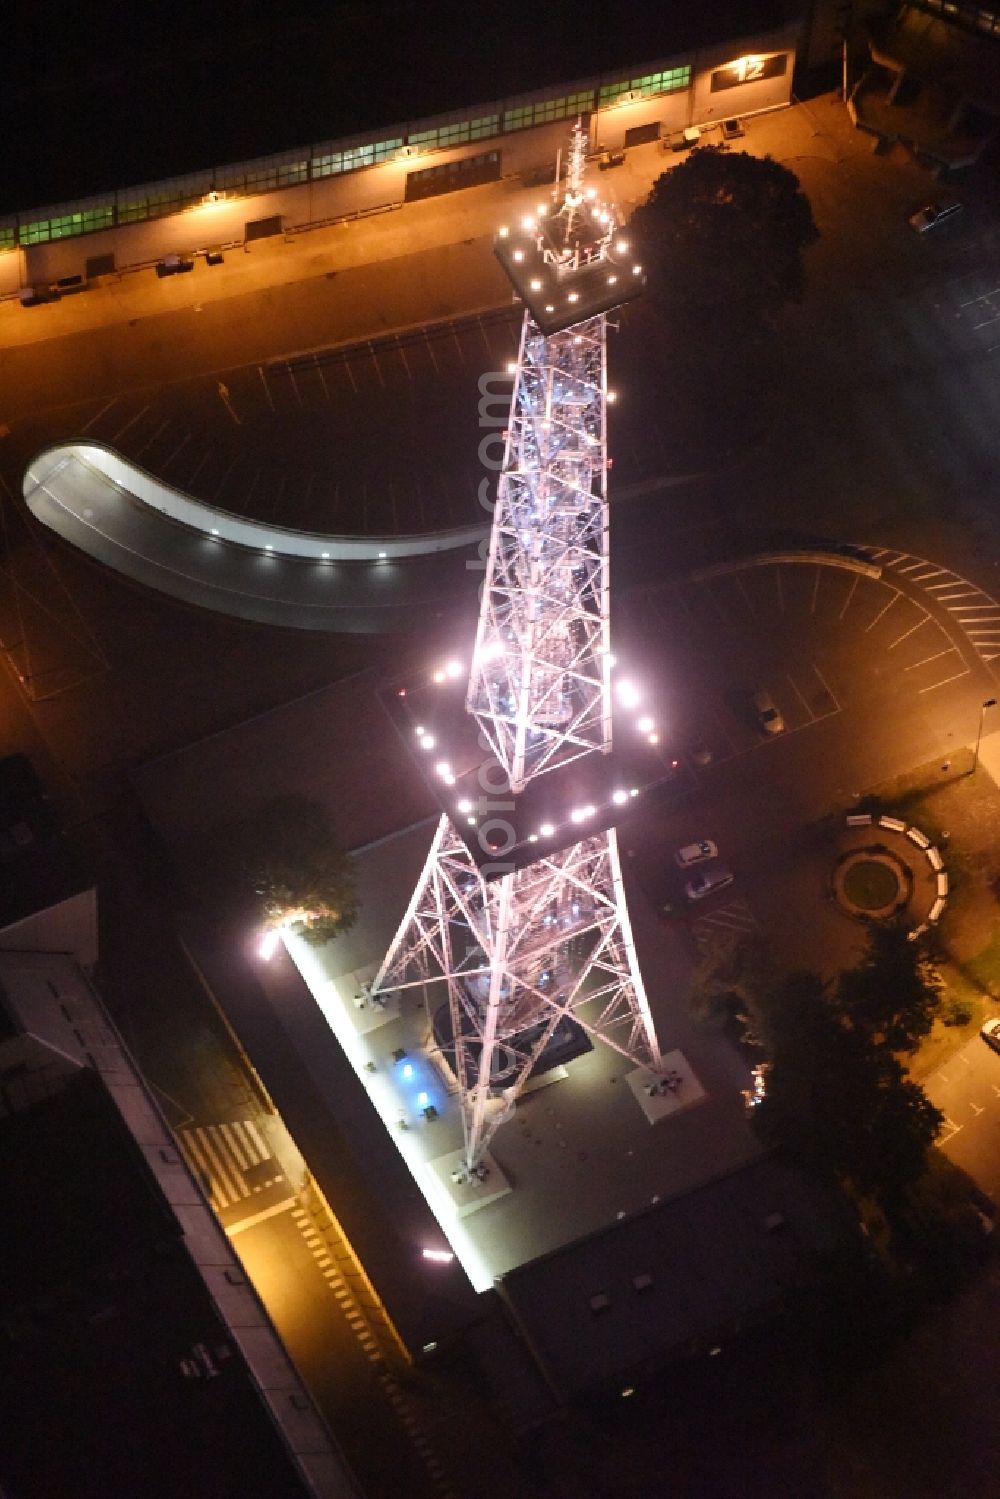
x: 283, y: 862
x: 893, y: 995
x: 723, y: 236
x: 834, y: 1101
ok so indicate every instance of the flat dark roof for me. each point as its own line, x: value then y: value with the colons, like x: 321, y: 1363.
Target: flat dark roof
x: 37, y: 868
x: 99, y: 1304
x: 679, y: 1276
x: 118, y: 95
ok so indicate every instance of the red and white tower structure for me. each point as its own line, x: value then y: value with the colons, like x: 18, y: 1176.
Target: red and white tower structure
x: 518, y: 931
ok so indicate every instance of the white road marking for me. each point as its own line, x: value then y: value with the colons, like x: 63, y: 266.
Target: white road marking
x: 829, y: 691
x: 850, y: 595
x: 791, y: 682
x: 928, y: 659
x: 943, y: 682
x: 907, y: 633
x: 255, y: 1218
x: 894, y: 600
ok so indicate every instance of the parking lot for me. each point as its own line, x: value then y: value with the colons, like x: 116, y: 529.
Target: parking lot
x: 870, y: 676
x: 379, y: 436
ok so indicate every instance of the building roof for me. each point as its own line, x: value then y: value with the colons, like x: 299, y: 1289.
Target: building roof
x: 102, y: 1307
x: 682, y: 1276
x: 37, y: 868
x: 120, y: 95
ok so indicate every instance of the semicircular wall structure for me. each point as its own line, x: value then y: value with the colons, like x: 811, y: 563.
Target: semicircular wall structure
x: 123, y: 517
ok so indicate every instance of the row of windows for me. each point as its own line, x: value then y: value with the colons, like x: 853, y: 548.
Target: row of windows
x: 547, y: 110
x: 65, y: 225
x: 157, y: 200
x: 667, y: 82
x: 354, y: 157
x: 456, y: 133
x: 262, y: 176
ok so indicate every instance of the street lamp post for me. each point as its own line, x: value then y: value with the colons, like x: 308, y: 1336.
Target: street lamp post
x: 990, y: 702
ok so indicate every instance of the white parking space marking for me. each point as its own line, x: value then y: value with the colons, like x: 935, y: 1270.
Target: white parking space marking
x: 907, y: 633
x: 884, y: 610
x: 948, y: 651
x: 850, y: 595
x: 792, y: 683
x: 828, y: 689
x: 943, y: 682
x: 973, y: 610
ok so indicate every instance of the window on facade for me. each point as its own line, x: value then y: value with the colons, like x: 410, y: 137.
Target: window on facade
x: 666, y: 82
x: 455, y: 134
x: 546, y: 110
x: 330, y: 163
x: 8, y: 236
x: 66, y: 225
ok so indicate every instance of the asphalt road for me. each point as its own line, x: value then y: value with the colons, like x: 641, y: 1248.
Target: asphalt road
x: 318, y: 1319
x: 967, y: 1091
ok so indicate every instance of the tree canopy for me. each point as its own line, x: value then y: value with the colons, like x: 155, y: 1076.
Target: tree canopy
x: 891, y: 997
x: 835, y: 1101
x: 722, y: 236
x: 284, y: 862
x: 837, y: 1096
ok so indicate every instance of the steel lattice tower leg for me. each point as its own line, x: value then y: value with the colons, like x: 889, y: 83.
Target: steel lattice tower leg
x: 545, y: 949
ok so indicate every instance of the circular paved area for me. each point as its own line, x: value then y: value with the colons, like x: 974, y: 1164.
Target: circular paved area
x: 871, y: 883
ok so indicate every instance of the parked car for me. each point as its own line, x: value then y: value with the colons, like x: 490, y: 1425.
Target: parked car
x: 933, y: 214
x: 694, y: 853
x: 990, y: 1033
x: 768, y: 716
x: 707, y: 881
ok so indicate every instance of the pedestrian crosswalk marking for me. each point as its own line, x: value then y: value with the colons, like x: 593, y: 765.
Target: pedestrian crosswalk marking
x: 221, y: 1156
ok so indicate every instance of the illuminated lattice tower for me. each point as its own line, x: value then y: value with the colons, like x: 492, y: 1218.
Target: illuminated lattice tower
x: 529, y: 932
